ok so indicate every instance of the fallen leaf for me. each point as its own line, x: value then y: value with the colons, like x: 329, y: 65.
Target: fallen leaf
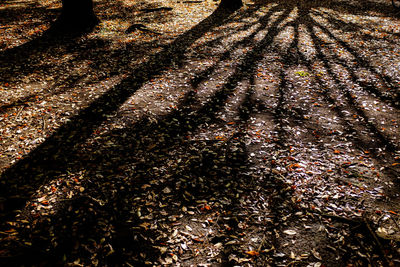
x: 290, y: 232
x: 252, y: 253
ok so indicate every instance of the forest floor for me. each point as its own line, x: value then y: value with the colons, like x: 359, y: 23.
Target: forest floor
x: 178, y: 134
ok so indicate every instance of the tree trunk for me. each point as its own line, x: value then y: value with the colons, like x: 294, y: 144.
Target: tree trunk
x: 231, y: 4
x: 76, y: 16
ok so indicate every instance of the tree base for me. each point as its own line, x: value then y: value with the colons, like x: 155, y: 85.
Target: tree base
x: 231, y: 4
x: 76, y: 16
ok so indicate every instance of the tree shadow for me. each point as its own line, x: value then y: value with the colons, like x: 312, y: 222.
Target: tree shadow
x: 176, y: 124
x: 119, y: 166
x: 41, y: 54
x: 24, y: 12
x: 54, y: 155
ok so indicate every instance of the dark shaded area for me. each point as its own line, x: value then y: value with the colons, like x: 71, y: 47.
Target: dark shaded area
x: 83, y: 125
x: 57, y: 154
x: 231, y: 4
x: 28, y: 11
x: 76, y: 16
x: 148, y: 144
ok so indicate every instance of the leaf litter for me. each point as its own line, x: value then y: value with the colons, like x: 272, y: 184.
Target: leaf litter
x: 270, y: 139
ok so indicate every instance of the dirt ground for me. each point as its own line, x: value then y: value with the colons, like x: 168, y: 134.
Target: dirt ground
x: 179, y: 134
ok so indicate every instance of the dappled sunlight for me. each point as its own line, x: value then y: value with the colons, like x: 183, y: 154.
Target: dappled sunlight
x: 205, y: 137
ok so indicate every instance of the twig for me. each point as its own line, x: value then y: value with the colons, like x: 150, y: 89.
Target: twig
x: 95, y: 200
x: 292, y: 263
x: 396, y: 223
x: 19, y: 113
x: 372, y: 232
x: 147, y: 10
x: 43, y: 124
x: 141, y: 27
x: 391, y: 217
x: 364, y: 221
x: 341, y: 218
x: 261, y: 244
